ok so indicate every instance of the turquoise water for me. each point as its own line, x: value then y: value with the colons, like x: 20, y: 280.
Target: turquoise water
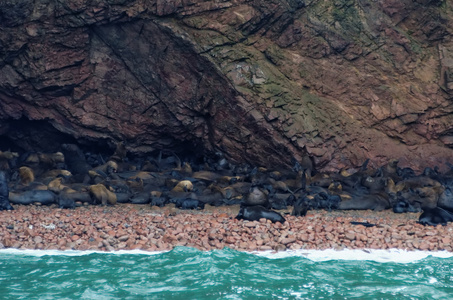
x: 186, y: 273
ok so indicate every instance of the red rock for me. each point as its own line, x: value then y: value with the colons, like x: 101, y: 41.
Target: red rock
x: 288, y: 240
x: 424, y: 246
x: 75, y: 237
x: 350, y: 236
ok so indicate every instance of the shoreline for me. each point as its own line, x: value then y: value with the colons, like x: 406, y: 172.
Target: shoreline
x: 141, y: 227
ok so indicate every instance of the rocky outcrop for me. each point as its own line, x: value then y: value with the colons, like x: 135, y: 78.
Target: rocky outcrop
x: 267, y: 82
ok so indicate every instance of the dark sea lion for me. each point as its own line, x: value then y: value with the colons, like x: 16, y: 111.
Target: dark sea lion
x: 44, y: 197
x: 254, y: 213
x: 376, y: 201
x: 366, y: 224
x: 75, y: 159
x: 300, y: 207
x: 446, y: 199
x: 120, y: 152
x: 122, y: 197
x: 8, y: 160
x: 4, y: 193
x: 191, y: 204
x: 435, y: 216
x: 158, y: 201
x: 403, y: 206
x: 140, y: 198
x: 257, y: 196
x: 65, y: 202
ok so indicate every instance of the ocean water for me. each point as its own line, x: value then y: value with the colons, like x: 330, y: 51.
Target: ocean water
x: 187, y: 273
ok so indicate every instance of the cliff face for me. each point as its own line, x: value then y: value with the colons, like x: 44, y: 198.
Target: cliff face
x: 261, y: 81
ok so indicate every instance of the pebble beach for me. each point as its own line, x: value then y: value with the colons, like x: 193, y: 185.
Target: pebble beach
x: 128, y: 227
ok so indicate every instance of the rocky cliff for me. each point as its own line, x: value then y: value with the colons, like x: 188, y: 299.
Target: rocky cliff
x: 266, y: 82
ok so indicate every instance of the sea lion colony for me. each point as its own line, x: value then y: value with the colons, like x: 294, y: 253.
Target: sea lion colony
x: 72, y: 177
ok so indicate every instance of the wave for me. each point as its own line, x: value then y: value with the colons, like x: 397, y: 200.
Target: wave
x: 381, y: 256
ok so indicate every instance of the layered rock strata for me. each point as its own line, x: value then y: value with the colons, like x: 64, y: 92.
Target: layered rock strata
x: 266, y: 82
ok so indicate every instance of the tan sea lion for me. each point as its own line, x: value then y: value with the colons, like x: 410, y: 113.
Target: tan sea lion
x: 183, y: 186
x: 102, y: 195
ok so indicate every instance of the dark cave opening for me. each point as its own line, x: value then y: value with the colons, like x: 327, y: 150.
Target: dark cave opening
x: 28, y: 136
x: 24, y: 135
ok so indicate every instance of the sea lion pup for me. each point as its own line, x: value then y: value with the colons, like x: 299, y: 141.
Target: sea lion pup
x: 102, y: 195
x: 435, y: 216
x: 254, y: 213
x: 4, y: 193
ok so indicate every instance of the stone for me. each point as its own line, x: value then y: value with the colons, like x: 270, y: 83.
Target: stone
x: 274, y: 99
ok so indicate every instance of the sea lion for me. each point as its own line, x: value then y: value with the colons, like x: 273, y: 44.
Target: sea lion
x: 120, y: 153
x: 183, y: 186
x: 435, y: 216
x: 140, y: 198
x: 402, y: 206
x: 257, y: 196
x: 26, y: 175
x: 8, y: 160
x: 366, y: 224
x: 44, y: 197
x: 75, y: 159
x: 429, y: 196
x: 254, y: 213
x: 375, y: 201
x: 158, y: 201
x: 65, y: 202
x: 102, y: 195
x: 76, y: 196
x: 56, y: 185
x: 4, y: 193
x: 300, y: 207
x: 190, y: 204
x: 446, y: 199
x: 107, y: 168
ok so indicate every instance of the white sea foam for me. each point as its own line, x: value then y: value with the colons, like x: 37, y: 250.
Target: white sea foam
x: 382, y: 256
x: 73, y: 252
